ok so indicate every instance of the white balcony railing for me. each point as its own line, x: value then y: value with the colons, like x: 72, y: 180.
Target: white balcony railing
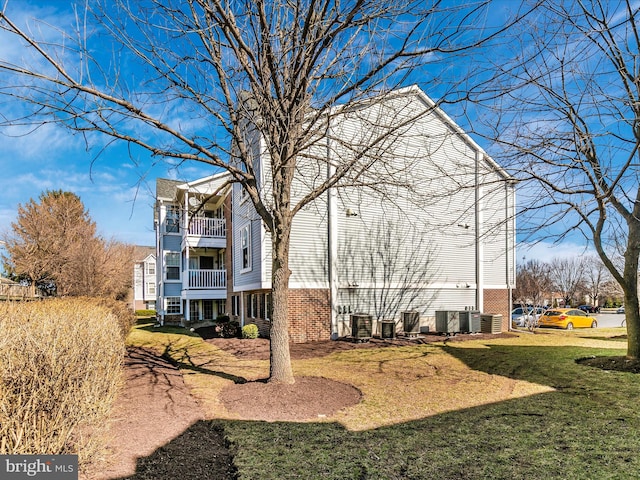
x: 207, y: 278
x: 208, y: 227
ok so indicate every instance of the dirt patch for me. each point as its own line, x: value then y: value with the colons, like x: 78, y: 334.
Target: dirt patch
x: 618, y: 364
x: 310, y: 398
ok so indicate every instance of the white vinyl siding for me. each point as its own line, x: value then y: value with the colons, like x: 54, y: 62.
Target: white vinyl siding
x: 497, y: 229
x: 446, y: 203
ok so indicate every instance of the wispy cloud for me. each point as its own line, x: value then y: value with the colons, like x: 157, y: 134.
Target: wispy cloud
x: 546, y: 251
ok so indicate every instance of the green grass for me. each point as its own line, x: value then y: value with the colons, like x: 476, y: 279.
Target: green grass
x: 568, y: 421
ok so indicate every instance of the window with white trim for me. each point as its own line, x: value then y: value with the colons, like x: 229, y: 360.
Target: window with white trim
x: 151, y: 289
x: 262, y: 300
x: 268, y: 300
x: 151, y: 268
x: 254, y: 305
x: 235, y: 305
x: 173, y: 305
x: 172, y: 265
x: 172, y: 220
x: 245, y: 247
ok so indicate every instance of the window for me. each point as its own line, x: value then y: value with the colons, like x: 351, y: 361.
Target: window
x: 222, y: 307
x: 151, y: 268
x: 254, y: 305
x: 261, y: 306
x: 172, y: 262
x: 235, y: 305
x: 173, y: 305
x: 245, y: 247
x: 268, y: 306
x: 151, y: 289
x: 194, y: 310
x: 172, y: 221
x: 207, y: 306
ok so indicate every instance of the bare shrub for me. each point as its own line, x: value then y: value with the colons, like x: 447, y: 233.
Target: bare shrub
x: 60, y: 373
x: 124, y: 315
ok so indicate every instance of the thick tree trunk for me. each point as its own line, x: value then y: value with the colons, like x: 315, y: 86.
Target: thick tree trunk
x: 630, y: 288
x: 280, y: 368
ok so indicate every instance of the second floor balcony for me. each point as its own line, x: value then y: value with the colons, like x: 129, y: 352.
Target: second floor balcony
x: 206, y: 279
x: 206, y: 232
x: 207, y: 227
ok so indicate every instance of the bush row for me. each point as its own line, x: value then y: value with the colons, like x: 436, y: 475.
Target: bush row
x: 60, y: 372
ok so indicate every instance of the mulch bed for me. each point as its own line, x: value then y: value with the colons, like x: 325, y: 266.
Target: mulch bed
x: 258, y: 349
x: 617, y: 364
x: 159, y: 430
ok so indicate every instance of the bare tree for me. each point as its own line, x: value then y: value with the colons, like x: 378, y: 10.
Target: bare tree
x: 596, y: 277
x: 565, y: 114
x: 104, y: 269
x: 567, y: 277
x: 534, y: 282
x: 221, y: 78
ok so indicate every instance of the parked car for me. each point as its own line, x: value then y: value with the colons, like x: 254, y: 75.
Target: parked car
x: 567, y: 318
x: 520, y: 315
x: 589, y: 309
x: 620, y: 310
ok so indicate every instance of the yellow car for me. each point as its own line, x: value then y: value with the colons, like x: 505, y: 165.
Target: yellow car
x: 568, y: 318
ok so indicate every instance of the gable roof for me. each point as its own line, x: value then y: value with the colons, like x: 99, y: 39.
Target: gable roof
x: 142, y: 252
x: 166, y: 189
x: 207, y: 185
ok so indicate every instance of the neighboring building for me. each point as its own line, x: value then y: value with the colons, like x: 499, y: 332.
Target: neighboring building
x: 144, y: 278
x: 191, y: 239
x: 10, y: 290
x: 446, y: 244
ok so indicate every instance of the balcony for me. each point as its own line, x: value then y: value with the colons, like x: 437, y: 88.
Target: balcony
x: 206, y: 232
x: 207, y: 279
x: 208, y: 227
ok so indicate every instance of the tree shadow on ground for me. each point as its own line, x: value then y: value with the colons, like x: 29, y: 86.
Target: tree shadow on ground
x: 200, y: 452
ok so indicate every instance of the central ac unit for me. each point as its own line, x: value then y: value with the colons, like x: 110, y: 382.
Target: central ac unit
x: 469, y: 321
x: 361, y: 326
x: 448, y: 321
x: 490, y: 323
x: 411, y: 323
x: 387, y: 329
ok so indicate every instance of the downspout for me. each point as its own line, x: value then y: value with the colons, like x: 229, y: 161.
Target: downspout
x: 332, y: 221
x: 509, y: 214
x: 479, y: 250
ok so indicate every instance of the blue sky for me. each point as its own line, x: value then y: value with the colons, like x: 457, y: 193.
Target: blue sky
x: 116, y: 185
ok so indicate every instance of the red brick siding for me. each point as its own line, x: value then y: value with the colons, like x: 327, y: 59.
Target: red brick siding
x: 497, y: 301
x: 309, y: 315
